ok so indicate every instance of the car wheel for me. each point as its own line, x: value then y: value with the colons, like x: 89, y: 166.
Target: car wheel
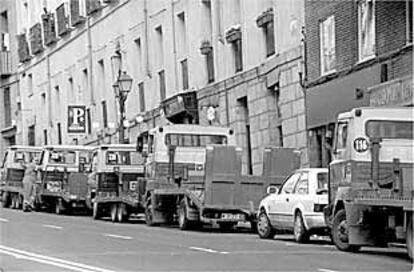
x: 114, y: 212
x: 264, y: 228
x: 340, y: 233
x: 409, y: 239
x: 299, y: 230
x: 95, y: 211
x: 183, y: 222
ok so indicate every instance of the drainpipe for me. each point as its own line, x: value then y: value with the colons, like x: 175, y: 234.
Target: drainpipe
x: 174, y: 46
x: 147, y: 64
x: 90, y: 61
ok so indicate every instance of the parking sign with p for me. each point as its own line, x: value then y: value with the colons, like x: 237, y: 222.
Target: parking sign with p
x: 76, y: 119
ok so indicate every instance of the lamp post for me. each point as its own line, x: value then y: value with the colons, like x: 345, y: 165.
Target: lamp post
x: 122, y: 87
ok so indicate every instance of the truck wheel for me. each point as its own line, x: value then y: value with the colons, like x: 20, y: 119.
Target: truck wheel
x: 5, y: 200
x: 122, y: 215
x: 299, y: 231
x: 183, y: 222
x: 340, y: 233
x: 409, y: 239
x: 264, y: 228
x: 59, y: 207
x: 114, y: 212
x: 95, y: 211
x: 148, y: 216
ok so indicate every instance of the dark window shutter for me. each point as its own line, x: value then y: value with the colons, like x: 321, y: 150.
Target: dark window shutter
x: 161, y: 75
x: 59, y: 131
x: 210, y: 66
x: 62, y: 20
x: 184, y: 72
x: 36, y: 42
x: 23, y: 48
x: 75, y: 12
x: 45, y: 136
x: 7, y: 107
x: 49, y: 31
x: 270, y: 38
x: 238, y: 55
x: 88, y: 119
x: 31, y: 136
x: 104, y: 114
x: 141, y: 97
x: 92, y: 6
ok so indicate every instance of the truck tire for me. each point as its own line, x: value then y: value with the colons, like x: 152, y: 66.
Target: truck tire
x: 340, y: 233
x: 59, y: 206
x: 95, y: 211
x: 227, y: 226
x: 409, y: 237
x: 264, y: 228
x: 5, y: 200
x: 114, y: 212
x: 183, y: 222
x: 299, y: 230
x: 122, y: 215
x: 148, y: 216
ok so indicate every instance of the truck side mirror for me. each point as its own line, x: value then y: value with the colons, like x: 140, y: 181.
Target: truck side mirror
x: 271, y: 190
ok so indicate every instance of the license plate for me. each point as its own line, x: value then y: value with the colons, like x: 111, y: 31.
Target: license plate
x: 231, y: 216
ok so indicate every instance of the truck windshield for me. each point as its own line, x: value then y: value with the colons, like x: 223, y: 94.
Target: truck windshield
x: 389, y: 129
x: 194, y: 140
x: 123, y: 158
x: 64, y: 157
x: 25, y: 156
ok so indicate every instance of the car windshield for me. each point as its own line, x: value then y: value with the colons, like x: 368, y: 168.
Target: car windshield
x: 123, y: 158
x: 322, y: 180
x: 194, y: 140
x: 25, y: 156
x: 62, y: 157
x: 390, y: 129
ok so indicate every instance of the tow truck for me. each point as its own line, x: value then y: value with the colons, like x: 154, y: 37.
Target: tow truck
x: 193, y: 176
x: 117, y: 173
x: 62, y: 186
x: 371, y: 179
x: 12, y: 174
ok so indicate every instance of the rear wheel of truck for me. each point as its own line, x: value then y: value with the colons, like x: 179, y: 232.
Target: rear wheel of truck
x: 340, y: 233
x: 264, y: 228
x: 409, y: 237
x: 183, y: 222
x: 59, y: 206
x: 299, y: 230
x: 95, y: 211
x: 227, y: 226
x: 114, y: 212
x: 122, y: 214
x: 5, y: 200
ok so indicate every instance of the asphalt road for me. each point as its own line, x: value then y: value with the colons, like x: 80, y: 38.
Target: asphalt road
x: 48, y: 242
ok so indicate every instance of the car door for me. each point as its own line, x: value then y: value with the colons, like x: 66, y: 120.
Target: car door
x: 300, y: 199
x: 278, y: 210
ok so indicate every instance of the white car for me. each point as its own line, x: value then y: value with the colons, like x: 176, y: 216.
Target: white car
x: 297, y: 206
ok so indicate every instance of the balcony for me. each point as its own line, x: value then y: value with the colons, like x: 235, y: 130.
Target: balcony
x: 5, y: 64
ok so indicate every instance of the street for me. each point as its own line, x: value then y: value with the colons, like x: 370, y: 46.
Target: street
x: 47, y: 242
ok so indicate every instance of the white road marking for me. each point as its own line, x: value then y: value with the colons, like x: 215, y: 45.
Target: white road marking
x: 21, y: 254
x: 4, y: 220
x: 326, y: 270
x: 52, y: 226
x: 118, y: 236
x: 209, y: 250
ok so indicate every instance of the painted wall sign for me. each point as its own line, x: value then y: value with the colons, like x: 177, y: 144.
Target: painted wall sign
x: 76, y: 119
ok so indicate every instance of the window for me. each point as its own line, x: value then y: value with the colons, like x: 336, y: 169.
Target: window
x: 409, y: 21
x: 194, y: 140
x: 101, y: 76
x: 238, y: 55
x: 302, y: 186
x: 327, y: 45
x: 104, y: 114
x: 182, y: 35
x: 59, y: 132
x: 7, y: 107
x: 322, y: 181
x: 210, y: 66
x: 31, y: 136
x: 88, y: 119
x: 85, y: 80
x: 66, y: 157
x: 139, y: 57
x: 161, y: 79
x: 71, y: 88
x: 366, y: 29
x: 57, y: 96
x: 390, y: 129
x: 43, y: 95
x: 288, y: 185
x: 160, y: 46
x: 45, y: 136
x: 342, y: 135
x: 184, y: 72
x: 270, y: 38
x: 30, y: 84
x: 123, y: 158
x: 141, y: 97
x: 280, y: 135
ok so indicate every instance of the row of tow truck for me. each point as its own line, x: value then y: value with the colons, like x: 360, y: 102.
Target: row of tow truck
x: 191, y: 175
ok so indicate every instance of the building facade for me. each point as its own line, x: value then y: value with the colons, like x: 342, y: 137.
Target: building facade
x: 10, y: 104
x: 358, y: 53
x: 241, y: 58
